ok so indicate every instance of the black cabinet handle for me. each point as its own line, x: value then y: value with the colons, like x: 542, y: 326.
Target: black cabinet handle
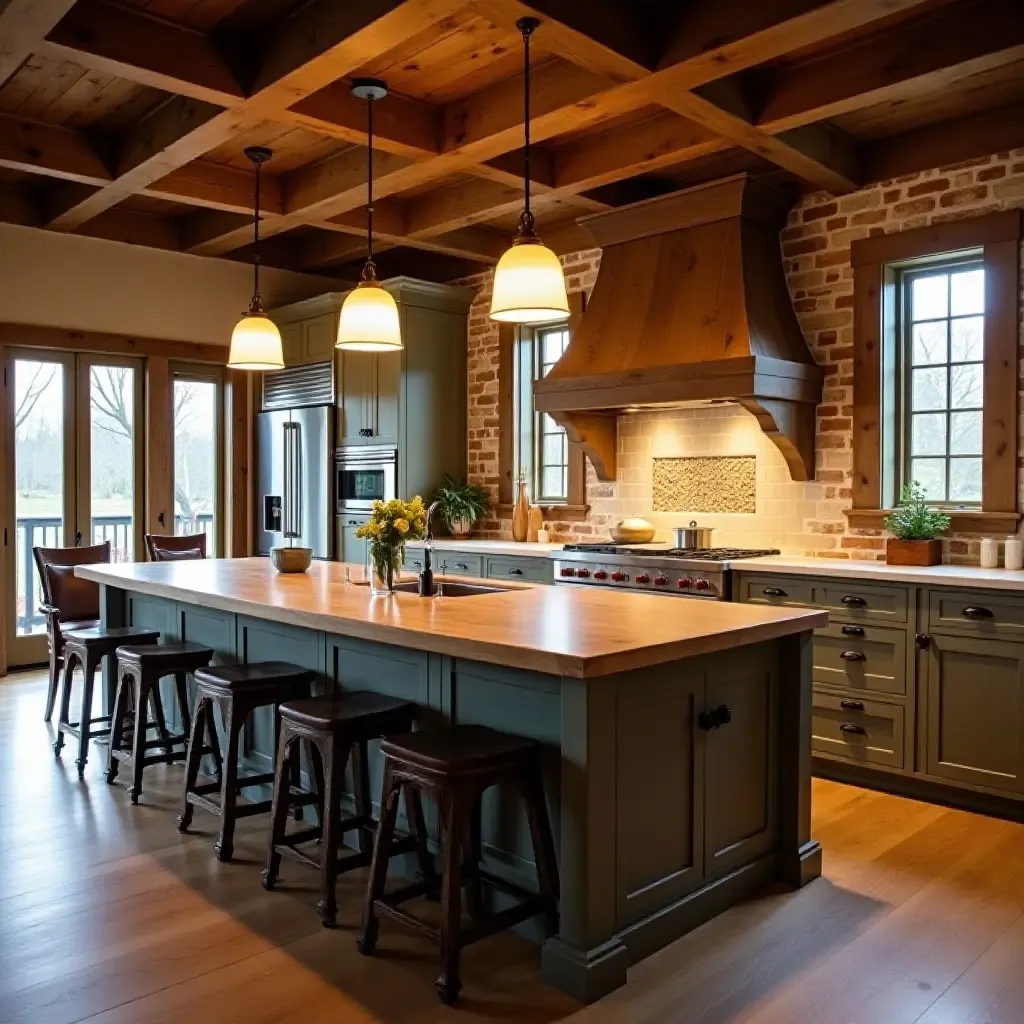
x: 853, y: 656
x: 418, y: 564
x: 366, y: 431
x: 922, y: 640
x: 975, y: 612
x: 774, y: 592
x: 852, y: 601
x: 853, y: 630
x: 462, y: 566
x: 353, y: 522
x: 853, y: 730
x: 852, y: 705
x: 715, y: 718
x: 515, y: 572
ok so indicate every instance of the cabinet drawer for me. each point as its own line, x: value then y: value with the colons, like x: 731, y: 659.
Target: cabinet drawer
x: 859, y: 601
x: 452, y: 563
x: 533, y: 570
x: 855, y: 657
x: 780, y: 590
x: 975, y: 613
x: 864, y: 731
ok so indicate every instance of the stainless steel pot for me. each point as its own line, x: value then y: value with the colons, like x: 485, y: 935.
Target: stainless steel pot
x: 693, y: 536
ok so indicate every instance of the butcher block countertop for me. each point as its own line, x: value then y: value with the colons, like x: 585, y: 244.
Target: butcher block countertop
x: 566, y: 631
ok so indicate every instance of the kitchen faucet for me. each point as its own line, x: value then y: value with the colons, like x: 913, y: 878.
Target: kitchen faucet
x: 426, y: 587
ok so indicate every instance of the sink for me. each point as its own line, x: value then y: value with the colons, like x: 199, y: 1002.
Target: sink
x: 452, y: 589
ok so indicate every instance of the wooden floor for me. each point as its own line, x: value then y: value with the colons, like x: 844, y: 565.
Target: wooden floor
x: 108, y: 915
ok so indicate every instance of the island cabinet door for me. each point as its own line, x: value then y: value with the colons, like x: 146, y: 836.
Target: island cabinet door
x: 659, y: 789
x: 740, y: 757
x: 974, y: 714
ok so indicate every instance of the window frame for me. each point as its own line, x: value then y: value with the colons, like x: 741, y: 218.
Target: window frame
x: 876, y: 346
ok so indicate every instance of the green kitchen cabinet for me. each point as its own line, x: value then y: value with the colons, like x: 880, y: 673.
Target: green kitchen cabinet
x: 350, y: 548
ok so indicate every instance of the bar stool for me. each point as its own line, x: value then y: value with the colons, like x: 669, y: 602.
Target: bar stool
x: 237, y: 690
x: 454, y: 766
x: 336, y: 729
x: 139, y: 671
x: 89, y: 647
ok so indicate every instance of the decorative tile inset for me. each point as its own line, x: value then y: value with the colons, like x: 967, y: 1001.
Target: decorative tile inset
x: 705, y: 484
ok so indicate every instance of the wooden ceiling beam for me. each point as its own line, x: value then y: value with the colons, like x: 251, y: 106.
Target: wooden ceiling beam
x: 909, y: 60
x: 129, y: 43
x: 51, y: 150
x: 23, y: 25
x: 325, y: 40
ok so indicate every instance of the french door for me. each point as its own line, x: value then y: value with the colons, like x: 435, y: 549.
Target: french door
x: 72, y: 472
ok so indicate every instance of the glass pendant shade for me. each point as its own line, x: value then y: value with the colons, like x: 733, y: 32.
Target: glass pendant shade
x: 256, y: 344
x: 369, y: 320
x: 529, y: 286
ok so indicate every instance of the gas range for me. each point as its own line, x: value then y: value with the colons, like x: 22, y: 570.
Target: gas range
x: 682, y: 572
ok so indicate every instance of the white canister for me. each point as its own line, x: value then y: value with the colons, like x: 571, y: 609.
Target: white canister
x: 1014, y: 552
x: 543, y: 537
x: 989, y: 553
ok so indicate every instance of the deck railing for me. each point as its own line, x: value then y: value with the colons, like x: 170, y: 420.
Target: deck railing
x: 48, y: 532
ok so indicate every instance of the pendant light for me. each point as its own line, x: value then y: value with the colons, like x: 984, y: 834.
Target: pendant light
x: 256, y: 341
x: 529, y: 286
x: 369, y: 315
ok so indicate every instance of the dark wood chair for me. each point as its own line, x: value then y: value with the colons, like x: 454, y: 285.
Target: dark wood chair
x: 68, y: 602
x: 237, y: 690
x: 139, y: 671
x: 455, y: 766
x: 337, y: 730
x: 168, y: 548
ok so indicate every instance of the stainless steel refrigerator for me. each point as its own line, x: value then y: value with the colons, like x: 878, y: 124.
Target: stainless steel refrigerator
x: 295, y: 451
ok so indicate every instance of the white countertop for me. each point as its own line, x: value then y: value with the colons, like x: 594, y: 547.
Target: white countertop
x: 922, y: 575
x: 492, y: 547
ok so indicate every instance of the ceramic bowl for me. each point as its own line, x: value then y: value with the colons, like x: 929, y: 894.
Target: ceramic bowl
x: 291, y: 559
x: 633, y: 530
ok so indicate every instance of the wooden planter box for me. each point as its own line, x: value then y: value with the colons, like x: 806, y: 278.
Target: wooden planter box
x: 913, y: 552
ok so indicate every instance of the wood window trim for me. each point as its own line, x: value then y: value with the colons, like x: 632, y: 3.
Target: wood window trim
x: 998, y: 237
x: 575, y: 508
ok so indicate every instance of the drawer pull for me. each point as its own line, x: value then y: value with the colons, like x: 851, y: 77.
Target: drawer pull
x: 852, y: 601
x: 975, y: 612
x: 774, y: 592
x: 715, y: 718
x: 418, y: 564
x: 853, y: 630
x: 515, y: 572
x: 852, y: 656
x: 462, y: 566
x: 852, y: 705
x: 853, y: 730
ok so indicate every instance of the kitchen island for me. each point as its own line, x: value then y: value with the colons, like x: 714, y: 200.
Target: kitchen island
x: 676, y: 734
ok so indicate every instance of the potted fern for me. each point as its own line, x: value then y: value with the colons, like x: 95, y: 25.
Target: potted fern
x: 915, y: 530
x: 462, y: 504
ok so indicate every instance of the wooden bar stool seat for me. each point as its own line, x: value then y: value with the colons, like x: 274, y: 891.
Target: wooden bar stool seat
x: 89, y: 647
x: 455, y: 766
x: 237, y: 690
x: 335, y: 730
x: 139, y: 671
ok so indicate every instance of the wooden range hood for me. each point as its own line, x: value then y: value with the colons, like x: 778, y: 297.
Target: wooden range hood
x: 690, y: 306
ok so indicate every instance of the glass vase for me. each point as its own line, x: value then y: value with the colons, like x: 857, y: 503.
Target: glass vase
x: 384, y: 565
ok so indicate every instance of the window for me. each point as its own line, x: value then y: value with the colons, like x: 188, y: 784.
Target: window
x: 943, y: 355
x: 542, y: 449
x: 935, y: 367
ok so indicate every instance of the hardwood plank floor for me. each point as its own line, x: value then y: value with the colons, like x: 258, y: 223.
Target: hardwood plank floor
x: 107, y: 915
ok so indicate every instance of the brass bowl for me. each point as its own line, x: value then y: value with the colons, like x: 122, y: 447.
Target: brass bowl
x: 633, y: 530
x: 291, y: 559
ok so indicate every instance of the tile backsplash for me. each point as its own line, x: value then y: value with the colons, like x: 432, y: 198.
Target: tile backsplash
x: 704, y: 483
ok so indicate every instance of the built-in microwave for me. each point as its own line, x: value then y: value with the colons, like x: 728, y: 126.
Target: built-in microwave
x: 364, y: 475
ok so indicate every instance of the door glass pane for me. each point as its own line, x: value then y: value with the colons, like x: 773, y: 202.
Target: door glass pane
x: 195, y: 459
x: 112, y: 458
x: 39, y: 478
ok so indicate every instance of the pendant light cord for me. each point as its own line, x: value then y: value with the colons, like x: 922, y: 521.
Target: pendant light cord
x: 257, y: 302
x: 526, y: 26
x: 369, y: 271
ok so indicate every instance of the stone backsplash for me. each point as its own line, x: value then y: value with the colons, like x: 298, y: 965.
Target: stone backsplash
x: 799, y: 518
x: 704, y: 483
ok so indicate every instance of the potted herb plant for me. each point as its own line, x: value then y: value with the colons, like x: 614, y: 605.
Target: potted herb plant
x: 915, y: 530
x: 462, y: 504
x: 391, y: 526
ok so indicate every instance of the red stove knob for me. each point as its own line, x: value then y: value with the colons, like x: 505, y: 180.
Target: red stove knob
x: 583, y: 573
x: 702, y: 585
x: 600, y: 574
x: 619, y: 577
x: 568, y: 570
x: 660, y: 581
x: 643, y: 578
x: 685, y: 583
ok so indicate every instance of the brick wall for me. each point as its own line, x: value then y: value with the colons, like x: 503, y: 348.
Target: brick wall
x: 798, y: 518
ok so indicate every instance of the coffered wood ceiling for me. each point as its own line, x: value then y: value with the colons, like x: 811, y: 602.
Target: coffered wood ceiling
x: 127, y: 120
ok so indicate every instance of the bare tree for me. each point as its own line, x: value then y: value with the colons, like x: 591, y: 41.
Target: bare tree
x: 36, y: 388
x: 110, y: 400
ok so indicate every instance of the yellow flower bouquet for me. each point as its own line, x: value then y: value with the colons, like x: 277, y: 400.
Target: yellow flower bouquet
x: 391, y: 526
